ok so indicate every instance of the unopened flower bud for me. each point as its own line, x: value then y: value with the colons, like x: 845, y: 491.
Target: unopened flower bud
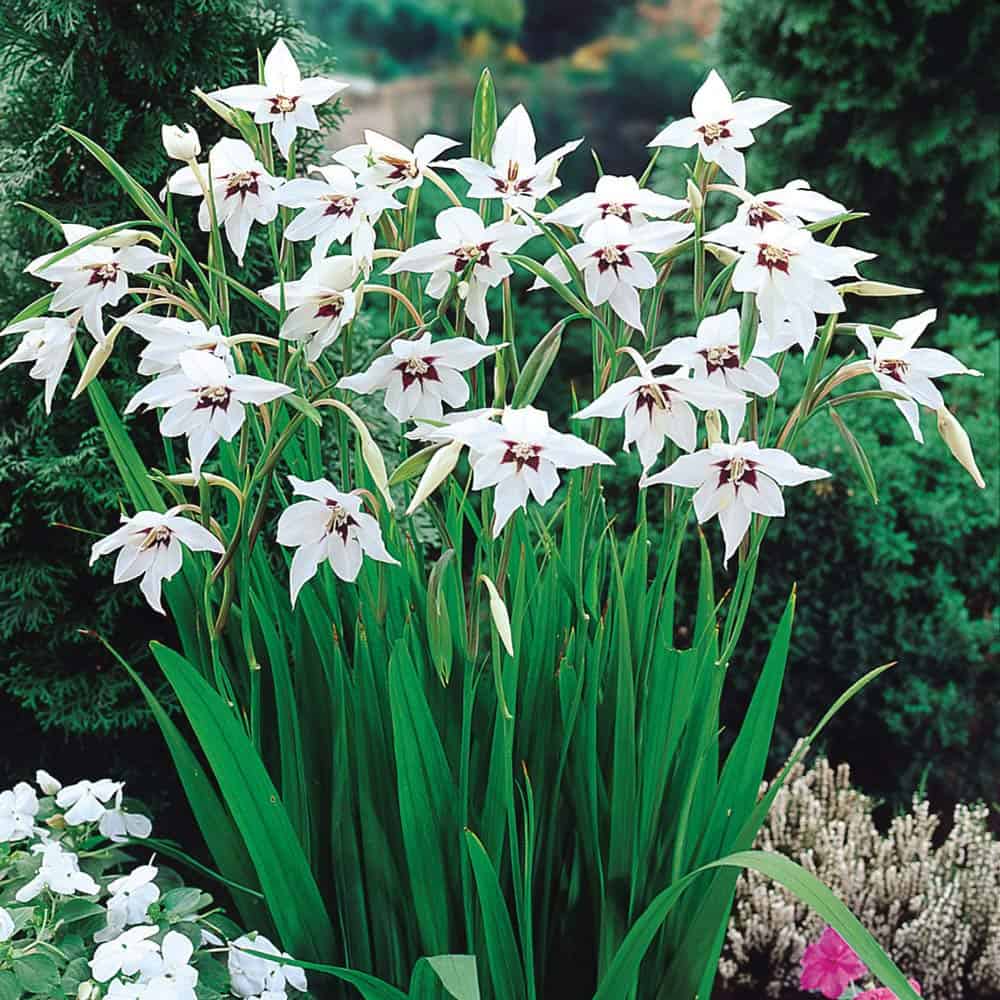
x: 955, y: 437
x: 438, y: 469
x: 181, y: 143
x: 723, y: 255
x: 88, y: 990
x: 499, y: 614
x: 695, y: 198
x: 713, y: 426
x: 47, y: 783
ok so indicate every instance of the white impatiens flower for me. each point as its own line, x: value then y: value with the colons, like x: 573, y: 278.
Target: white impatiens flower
x: 329, y: 526
x: 790, y: 273
x: 657, y: 406
x: 796, y: 203
x: 6, y: 925
x: 84, y: 801
x: 172, y: 977
x: 335, y: 209
x: 254, y: 976
x: 131, y: 897
x: 151, y: 546
x: 736, y: 481
x: 119, y: 825
x: 469, y: 250
x: 168, y: 338
x: 128, y: 954
x: 713, y: 354
x: 520, y: 456
x: 907, y: 371
x: 59, y: 872
x: 383, y: 162
x: 205, y: 401
x: 719, y: 126
x: 420, y: 376
x: 18, y: 809
x: 46, y: 343
x: 284, y: 100
x: 93, y: 276
x: 620, y: 197
x: 319, y: 305
x: 513, y: 173
x: 242, y: 190
x: 611, y: 256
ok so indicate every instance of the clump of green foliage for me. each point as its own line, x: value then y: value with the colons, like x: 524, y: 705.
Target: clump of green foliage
x: 115, y: 71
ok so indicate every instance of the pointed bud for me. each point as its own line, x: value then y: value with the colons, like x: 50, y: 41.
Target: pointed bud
x: 438, y: 470
x: 47, y: 783
x: 876, y: 289
x: 695, y: 198
x: 955, y: 437
x: 713, y: 427
x: 499, y: 614
x: 723, y: 255
x: 181, y: 143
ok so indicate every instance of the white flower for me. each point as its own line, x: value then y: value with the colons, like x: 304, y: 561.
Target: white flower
x: 736, y: 481
x: 172, y: 977
x: 128, y: 954
x: 253, y: 976
x: 168, y: 338
x: 790, y: 273
x: 329, y: 525
x: 719, y: 126
x: 907, y: 371
x: 58, y: 872
x: 320, y: 304
x: 714, y: 354
x: 796, y: 203
x: 151, y: 547
x: 419, y: 376
x: 242, y: 190
x: 205, y: 401
x: 520, y: 456
x: 284, y: 100
x: 46, y: 782
x: 47, y: 343
x: 94, y: 276
x: 130, y: 900
x: 335, y: 209
x: 620, y: 197
x: 84, y: 801
x: 18, y: 809
x: 648, y: 421
x: 611, y: 256
x: 469, y: 250
x: 6, y: 925
x: 180, y: 143
x: 383, y: 162
x: 513, y: 173
x: 118, y: 824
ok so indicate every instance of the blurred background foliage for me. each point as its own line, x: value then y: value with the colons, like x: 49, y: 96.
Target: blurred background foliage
x: 893, y: 113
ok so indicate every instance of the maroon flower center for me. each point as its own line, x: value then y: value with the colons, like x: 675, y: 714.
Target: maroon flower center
x: 522, y: 454
x: 714, y: 131
x: 773, y: 258
x: 471, y: 254
x: 281, y: 105
x: 418, y: 370
x: 738, y: 471
x: 339, y: 204
x: 214, y: 397
x: 612, y: 257
x: 721, y: 357
x: 158, y: 537
x: 511, y: 184
x: 621, y: 210
x: 761, y: 213
x: 894, y: 368
x: 103, y: 274
x: 340, y: 520
x: 242, y: 183
x: 330, y: 306
x: 400, y: 169
x: 645, y: 397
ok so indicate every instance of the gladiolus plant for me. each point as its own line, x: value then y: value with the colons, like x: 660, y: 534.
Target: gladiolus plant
x: 438, y: 703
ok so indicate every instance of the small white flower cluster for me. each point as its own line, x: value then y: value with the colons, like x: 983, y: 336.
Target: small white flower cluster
x: 615, y: 246
x: 151, y: 940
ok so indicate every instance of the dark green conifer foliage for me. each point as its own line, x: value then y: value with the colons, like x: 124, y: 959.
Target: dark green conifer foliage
x: 115, y: 70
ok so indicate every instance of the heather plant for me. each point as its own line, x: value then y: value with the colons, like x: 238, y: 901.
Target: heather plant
x: 933, y: 902
x: 491, y: 747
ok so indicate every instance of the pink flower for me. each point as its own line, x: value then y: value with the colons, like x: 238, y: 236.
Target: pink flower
x: 829, y: 965
x: 883, y: 993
